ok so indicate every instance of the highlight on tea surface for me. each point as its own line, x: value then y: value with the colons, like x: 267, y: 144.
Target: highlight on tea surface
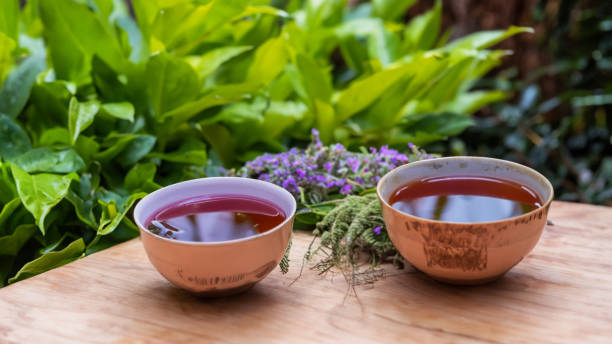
x: 216, y: 218
x: 465, y: 199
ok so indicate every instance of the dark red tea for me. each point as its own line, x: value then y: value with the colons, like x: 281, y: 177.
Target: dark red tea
x: 465, y: 199
x: 216, y: 218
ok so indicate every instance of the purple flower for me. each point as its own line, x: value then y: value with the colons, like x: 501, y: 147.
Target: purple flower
x: 376, y: 230
x: 353, y: 163
x: 320, y: 171
x: 316, y: 138
x: 289, y: 183
x: 410, y: 145
x: 346, y: 189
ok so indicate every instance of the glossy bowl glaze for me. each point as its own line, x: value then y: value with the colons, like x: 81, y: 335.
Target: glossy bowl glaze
x: 464, y: 253
x: 216, y: 268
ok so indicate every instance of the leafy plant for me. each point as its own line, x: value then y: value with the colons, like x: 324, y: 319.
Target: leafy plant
x: 99, y: 107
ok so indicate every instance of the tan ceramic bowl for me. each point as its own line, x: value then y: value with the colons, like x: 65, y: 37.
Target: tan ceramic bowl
x: 216, y: 268
x: 464, y: 253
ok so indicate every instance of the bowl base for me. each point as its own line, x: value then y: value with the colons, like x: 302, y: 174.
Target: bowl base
x: 224, y: 292
x: 466, y: 281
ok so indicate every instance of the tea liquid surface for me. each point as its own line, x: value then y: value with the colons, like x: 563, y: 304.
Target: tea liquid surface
x: 216, y: 218
x: 465, y: 199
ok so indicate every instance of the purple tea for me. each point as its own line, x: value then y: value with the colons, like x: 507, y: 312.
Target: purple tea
x: 215, y: 218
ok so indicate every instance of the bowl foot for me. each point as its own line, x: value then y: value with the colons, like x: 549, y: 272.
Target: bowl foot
x: 466, y: 281
x: 224, y: 292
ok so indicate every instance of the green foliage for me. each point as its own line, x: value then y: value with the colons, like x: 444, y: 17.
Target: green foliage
x: 97, y: 107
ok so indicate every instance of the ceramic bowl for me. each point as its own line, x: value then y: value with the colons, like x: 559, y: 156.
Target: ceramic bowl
x: 216, y: 268
x: 464, y: 253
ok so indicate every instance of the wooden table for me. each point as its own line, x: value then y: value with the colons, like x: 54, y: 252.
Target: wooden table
x: 561, y: 292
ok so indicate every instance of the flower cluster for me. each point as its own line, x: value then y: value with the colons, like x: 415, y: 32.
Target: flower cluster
x: 318, y: 172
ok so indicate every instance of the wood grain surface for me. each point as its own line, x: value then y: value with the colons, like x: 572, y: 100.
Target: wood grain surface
x: 561, y: 292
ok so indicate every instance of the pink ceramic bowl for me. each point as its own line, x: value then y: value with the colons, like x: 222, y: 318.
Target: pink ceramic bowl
x: 216, y: 268
x: 464, y: 253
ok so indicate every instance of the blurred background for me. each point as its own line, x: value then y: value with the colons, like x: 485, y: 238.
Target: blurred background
x: 559, y: 118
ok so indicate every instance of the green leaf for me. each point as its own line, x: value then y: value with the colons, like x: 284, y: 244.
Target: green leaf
x: 16, y: 88
x: 270, y: 59
x: 8, y: 190
x: 11, y: 244
x: 123, y: 110
x: 171, y: 82
x: 221, y: 140
x: 9, y: 18
x: 323, y: 13
x: 315, y: 79
x: 41, y: 192
x: 113, y: 212
x: 469, y: 102
x: 362, y: 93
x: 80, y: 116
x: 190, y: 152
x: 7, y: 211
x: 74, y: 34
x: 145, y: 11
x: 47, y: 160
x: 136, y: 44
x: 250, y: 10
x: 113, y: 144
x: 83, y: 200
x: 137, y: 149
x: 191, y: 29
x: 440, y: 125
x: 87, y: 148
x: 422, y: 31
x: 216, y: 96
x: 383, y: 45
x: 14, y: 140
x: 6, y: 57
x: 83, y: 208
x: 140, y: 176
x: 50, y: 260
x: 485, y: 39
x: 206, y: 64
x: 51, y: 98
x: 107, y: 81
x: 354, y: 53
x: 391, y: 9
x: 325, y: 120
x: 54, y: 136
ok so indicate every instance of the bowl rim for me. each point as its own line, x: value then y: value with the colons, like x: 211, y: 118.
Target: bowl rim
x: 288, y: 218
x: 546, y: 204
